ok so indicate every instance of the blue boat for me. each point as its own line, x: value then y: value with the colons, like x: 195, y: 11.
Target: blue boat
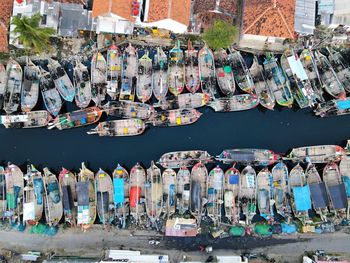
x: 121, y: 193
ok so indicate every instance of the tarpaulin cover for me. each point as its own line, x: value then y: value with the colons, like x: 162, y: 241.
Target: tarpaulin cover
x: 346, y: 181
x: 39, y: 190
x: 135, y: 194
x: 289, y: 228
x: 237, y: 231
x: 67, y: 197
x: 54, y: 192
x: 243, y: 157
x: 172, y: 199
x: 11, y: 199
x: 102, y: 203
x: 263, y: 229
x: 195, y: 196
x: 343, y: 104
x: 338, y: 196
x: 118, y: 184
x: 263, y: 200
x: 233, y: 179
x: 302, y: 198
x: 319, y: 195
x: 83, y: 193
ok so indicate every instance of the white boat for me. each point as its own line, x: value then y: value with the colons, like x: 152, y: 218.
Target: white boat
x: 13, y: 87
x: 82, y: 85
x: 113, y: 71
x: 30, y: 88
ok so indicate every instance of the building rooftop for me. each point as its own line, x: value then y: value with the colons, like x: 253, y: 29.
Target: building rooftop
x: 224, y: 6
x: 121, y: 8
x: 5, y: 16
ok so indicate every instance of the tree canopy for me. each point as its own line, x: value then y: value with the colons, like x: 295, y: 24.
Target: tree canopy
x: 30, y: 34
x: 220, y: 35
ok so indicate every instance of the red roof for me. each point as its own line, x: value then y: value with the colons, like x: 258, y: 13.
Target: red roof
x: 226, y: 6
x: 122, y: 8
x: 5, y: 15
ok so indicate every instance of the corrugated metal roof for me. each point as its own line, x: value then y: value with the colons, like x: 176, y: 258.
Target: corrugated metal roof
x: 305, y: 14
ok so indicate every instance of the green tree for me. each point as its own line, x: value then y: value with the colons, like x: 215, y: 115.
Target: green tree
x: 220, y: 35
x: 30, y: 34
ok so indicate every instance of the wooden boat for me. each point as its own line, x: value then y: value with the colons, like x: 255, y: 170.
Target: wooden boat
x: 67, y: 183
x: 62, y: 82
x: 49, y: 92
x: 235, y: 103
x: 318, y: 191
x: 3, y: 83
x: 184, y: 101
x: 104, y: 197
x: 86, y: 198
x: 262, y: 89
x: 53, y: 203
x: 129, y: 127
x: 129, y: 74
x: 192, y: 81
x: 14, y: 193
x: 137, y: 192
x: 129, y: 109
x: 241, y: 72
x: 33, y: 196
x: 280, y: 189
x: 256, y: 157
x: 317, y: 154
x: 299, y: 193
x: 153, y: 193
x: 160, y: 75
x: 176, y: 70
x: 223, y: 72
x: 3, y: 204
x: 184, y: 158
x: 264, y: 193
x: 183, y: 190
x: 30, y: 87
x: 328, y: 76
x: 78, y: 118
x: 12, y: 94
x: 336, y: 191
x: 231, y: 190
x: 215, y: 190
x: 175, y: 117
x: 342, y: 71
x: 335, y: 107
x: 114, y: 67
x: 82, y: 85
x: 98, y: 78
x: 121, y: 194
x: 207, y: 72
x: 199, y: 175
x: 169, y: 191
x: 32, y: 119
x: 277, y: 81
x: 144, y: 80
x: 247, y: 193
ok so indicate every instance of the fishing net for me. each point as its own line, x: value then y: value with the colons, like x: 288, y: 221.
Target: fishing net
x: 18, y: 226
x: 237, y: 231
x: 263, y: 229
x: 43, y: 229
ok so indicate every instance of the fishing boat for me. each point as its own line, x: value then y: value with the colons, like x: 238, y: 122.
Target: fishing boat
x: 49, y: 92
x: 67, y: 183
x: 98, y: 78
x: 129, y: 74
x: 14, y: 193
x: 3, y: 203
x: 153, y: 193
x: 215, y: 190
x: 121, y: 194
x: 62, y: 82
x: 192, y: 81
x: 86, y: 198
x: 317, y: 154
x: 175, y: 117
x: 318, y: 191
x: 335, y: 107
x: 169, y: 191
x: 30, y: 87
x: 277, y: 81
x: 114, y: 68
x: 231, y: 190
x: 344, y: 167
x: 336, y: 191
x: 247, y: 193
x: 280, y: 189
x: 184, y: 101
x: 235, y: 103
x: 82, y: 85
x: 184, y: 158
x: 31, y: 119
x: 104, y: 197
x: 256, y: 157
x: 128, y: 127
x: 52, y: 199
x: 137, y: 192
x: 144, y: 80
x: 12, y: 94
x: 264, y: 193
x: 199, y: 175
x: 183, y: 190
x: 78, y: 118
x: 223, y: 72
x: 160, y: 75
x: 299, y: 193
x: 176, y: 70
x: 33, y: 196
x: 328, y: 76
x: 129, y: 109
x: 207, y: 72
x: 3, y: 83
x: 262, y: 89
x: 241, y: 72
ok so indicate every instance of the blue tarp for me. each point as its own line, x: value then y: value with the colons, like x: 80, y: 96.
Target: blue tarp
x: 343, y: 104
x: 346, y: 181
x: 118, y: 184
x: 288, y: 228
x: 302, y: 198
x: 233, y: 179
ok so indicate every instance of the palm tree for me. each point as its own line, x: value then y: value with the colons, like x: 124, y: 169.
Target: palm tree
x: 30, y: 34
